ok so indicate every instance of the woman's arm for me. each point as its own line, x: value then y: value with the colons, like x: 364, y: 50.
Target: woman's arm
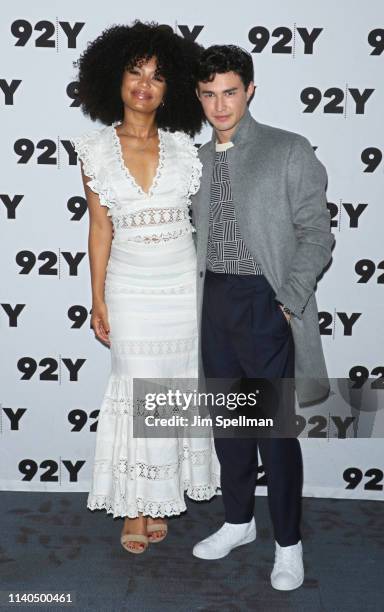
x: 99, y: 247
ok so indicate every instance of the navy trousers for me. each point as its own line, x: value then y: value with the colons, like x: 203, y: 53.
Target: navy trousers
x: 245, y: 334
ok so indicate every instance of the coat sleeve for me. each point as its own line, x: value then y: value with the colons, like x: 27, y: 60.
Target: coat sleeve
x: 306, y: 184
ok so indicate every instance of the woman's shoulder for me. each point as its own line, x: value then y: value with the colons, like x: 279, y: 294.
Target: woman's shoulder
x: 90, y: 139
x: 91, y: 148
x: 186, y: 155
x: 182, y: 141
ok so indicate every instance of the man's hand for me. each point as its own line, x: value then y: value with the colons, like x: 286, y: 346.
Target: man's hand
x: 286, y: 314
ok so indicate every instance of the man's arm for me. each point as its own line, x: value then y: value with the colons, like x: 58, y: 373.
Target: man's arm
x: 307, y: 180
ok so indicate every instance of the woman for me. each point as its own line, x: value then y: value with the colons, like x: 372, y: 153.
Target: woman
x: 139, y: 173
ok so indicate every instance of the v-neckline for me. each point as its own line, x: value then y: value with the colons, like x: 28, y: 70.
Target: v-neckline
x: 128, y: 173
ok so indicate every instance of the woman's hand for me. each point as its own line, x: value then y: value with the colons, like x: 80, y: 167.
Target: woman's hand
x: 99, y: 322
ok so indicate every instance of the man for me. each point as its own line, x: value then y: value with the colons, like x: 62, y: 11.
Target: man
x: 263, y: 238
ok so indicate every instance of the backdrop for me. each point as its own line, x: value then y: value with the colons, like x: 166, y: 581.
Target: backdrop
x: 319, y: 70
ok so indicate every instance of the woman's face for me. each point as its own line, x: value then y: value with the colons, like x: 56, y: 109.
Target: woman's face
x: 142, y: 88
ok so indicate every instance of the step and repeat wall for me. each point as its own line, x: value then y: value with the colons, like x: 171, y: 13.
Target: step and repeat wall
x: 319, y: 69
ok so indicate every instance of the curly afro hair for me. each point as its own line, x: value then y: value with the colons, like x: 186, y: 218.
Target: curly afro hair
x: 102, y: 65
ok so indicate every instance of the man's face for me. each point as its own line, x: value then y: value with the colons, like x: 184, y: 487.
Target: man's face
x: 224, y: 100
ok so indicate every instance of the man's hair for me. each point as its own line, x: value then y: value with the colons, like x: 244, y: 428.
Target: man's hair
x: 219, y: 59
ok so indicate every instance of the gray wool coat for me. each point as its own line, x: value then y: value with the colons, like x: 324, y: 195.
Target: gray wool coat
x: 278, y: 187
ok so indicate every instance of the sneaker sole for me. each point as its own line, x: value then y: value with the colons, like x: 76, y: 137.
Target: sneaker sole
x: 292, y: 588
x: 247, y: 540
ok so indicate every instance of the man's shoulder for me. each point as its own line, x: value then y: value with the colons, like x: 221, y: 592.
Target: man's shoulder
x: 280, y: 136
x: 270, y: 135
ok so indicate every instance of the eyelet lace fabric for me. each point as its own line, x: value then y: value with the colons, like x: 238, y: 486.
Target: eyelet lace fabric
x: 169, y: 346
x: 177, y: 178
x: 151, y: 216
x: 86, y: 149
x: 150, y: 296
x: 124, y: 507
x: 178, y: 218
x: 126, y: 481
x: 137, y: 290
x: 197, y: 167
x: 163, y: 236
x: 154, y: 471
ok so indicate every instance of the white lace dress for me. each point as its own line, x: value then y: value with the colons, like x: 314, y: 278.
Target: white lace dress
x: 151, y: 301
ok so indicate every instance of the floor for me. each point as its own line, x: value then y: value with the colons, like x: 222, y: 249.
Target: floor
x: 50, y: 542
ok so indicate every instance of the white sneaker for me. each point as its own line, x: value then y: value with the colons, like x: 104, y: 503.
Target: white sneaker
x: 288, y: 571
x: 220, y: 543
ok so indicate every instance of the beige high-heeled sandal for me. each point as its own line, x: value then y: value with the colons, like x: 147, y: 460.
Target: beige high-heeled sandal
x: 157, y: 527
x: 134, y: 537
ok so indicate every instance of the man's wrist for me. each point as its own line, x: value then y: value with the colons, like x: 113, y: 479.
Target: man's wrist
x: 286, y: 310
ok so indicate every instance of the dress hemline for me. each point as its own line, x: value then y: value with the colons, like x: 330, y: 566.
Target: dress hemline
x: 146, y: 507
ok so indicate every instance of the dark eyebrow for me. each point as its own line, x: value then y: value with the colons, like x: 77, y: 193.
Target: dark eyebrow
x: 224, y: 91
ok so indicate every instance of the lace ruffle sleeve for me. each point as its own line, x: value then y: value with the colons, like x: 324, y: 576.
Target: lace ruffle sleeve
x: 186, y: 143
x: 87, y: 148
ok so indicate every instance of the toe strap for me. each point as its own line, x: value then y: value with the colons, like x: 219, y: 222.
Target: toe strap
x: 133, y: 537
x: 157, y: 527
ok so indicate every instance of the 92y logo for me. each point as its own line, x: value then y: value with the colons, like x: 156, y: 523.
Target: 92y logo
x: 13, y: 416
x: 366, y: 268
x: 78, y: 315
x: 324, y: 427
x: 72, y: 92
x: 340, y: 100
x: 188, y: 33
x: 13, y: 313
x: 77, y: 205
x: 25, y: 149
x: 376, y: 40
x: 29, y: 469
x: 80, y: 418
x: 53, y: 262
x: 53, y: 368
x: 11, y: 203
x: 371, y: 157
x: 24, y: 30
x: 354, y: 213
x: 9, y: 90
x: 353, y: 476
x: 327, y: 322
x: 286, y: 41
x: 360, y: 374
x: 185, y: 30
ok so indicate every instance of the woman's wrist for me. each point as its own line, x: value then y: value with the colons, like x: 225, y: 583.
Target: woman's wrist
x: 98, y: 301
